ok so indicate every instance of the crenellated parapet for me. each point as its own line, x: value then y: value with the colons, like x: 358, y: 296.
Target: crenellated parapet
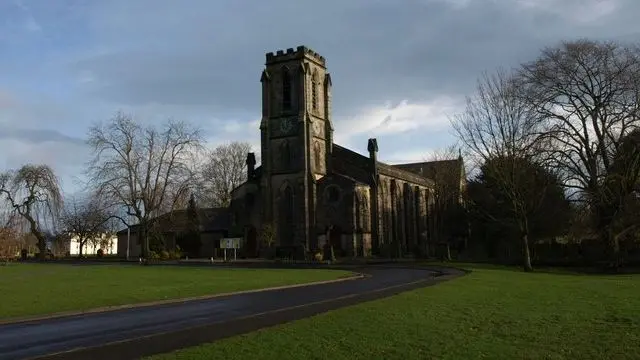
x: 295, y: 54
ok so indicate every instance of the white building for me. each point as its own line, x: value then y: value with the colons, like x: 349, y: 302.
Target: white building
x: 108, y: 243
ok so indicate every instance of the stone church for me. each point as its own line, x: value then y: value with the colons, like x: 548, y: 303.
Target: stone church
x: 313, y: 191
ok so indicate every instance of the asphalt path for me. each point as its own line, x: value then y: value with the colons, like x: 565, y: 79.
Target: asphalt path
x: 135, y: 332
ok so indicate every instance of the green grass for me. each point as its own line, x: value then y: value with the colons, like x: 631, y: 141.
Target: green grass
x: 35, y: 289
x: 494, y: 313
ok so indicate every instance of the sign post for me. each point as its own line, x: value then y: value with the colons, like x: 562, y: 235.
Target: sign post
x: 230, y: 243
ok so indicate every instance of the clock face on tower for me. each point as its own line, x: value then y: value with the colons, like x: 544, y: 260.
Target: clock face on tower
x: 286, y: 125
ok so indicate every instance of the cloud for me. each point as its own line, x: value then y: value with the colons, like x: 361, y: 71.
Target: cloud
x: 37, y: 112
x: 377, y: 51
x: 408, y: 156
x: 32, y: 25
x: 37, y: 136
x: 6, y: 100
x: 583, y: 12
x: 197, y: 64
x: 67, y: 159
x: 397, y: 71
x: 29, y: 22
x: 42, y: 132
x: 386, y: 119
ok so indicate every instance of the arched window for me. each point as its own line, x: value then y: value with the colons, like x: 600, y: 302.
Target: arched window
x: 314, y: 90
x: 286, y: 89
x: 316, y: 155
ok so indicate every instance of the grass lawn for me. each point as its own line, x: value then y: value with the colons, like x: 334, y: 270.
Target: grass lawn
x: 488, y: 314
x: 35, y: 289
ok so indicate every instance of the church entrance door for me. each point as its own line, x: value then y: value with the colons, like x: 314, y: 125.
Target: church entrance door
x: 335, y: 239
x: 252, y: 242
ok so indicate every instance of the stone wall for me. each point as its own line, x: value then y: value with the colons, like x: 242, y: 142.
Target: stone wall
x: 403, y: 214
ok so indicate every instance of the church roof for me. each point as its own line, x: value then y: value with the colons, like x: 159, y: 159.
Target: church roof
x: 401, y: 174
x: 350, y: 164
x: 444, y: 172
x: 357, y: 166
x: 432, y: 169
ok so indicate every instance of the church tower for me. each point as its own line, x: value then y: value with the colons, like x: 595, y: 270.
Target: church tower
x: 296, y: 139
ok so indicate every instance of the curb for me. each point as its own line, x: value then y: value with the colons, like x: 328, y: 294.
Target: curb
x: 105, y: 309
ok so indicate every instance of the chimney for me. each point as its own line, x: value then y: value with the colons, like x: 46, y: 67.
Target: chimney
x: 251, y: 165
x: 372, y: 146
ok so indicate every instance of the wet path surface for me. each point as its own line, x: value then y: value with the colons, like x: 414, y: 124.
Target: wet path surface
x: 132, y: 332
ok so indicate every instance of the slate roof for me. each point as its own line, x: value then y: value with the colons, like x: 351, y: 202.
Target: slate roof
x: 434, y: 169
x: 211, y: 220
x: 350, y: 163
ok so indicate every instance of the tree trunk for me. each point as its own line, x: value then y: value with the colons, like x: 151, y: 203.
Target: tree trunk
x: 42, y: 247
x: 80, y: 246
x: 42, y: 240
x: 144, y: 241
x: 447, y: 254
x: 616, y: 252
x: 614, y: 242
x: 526, y: 255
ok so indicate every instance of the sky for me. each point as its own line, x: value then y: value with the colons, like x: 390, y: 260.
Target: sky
x: 400, y: 69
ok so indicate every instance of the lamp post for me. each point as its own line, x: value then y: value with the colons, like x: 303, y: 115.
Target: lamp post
x: 127, y: 224
x: 128, y: 239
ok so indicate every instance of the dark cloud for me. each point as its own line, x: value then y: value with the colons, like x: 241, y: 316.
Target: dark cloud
x: 36, y: 136
x: 391, y: 61
x: 211, y: 53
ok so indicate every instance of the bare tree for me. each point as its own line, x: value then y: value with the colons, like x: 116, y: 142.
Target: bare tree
x: 33, y: 193
x: 224, y: 169
x: 446, y: 169
x: 85, y: 220
x: 589, y: 95
x: 497, y: 128
x: 143, y: 169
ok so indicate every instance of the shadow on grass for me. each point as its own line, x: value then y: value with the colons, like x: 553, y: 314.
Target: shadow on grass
x: 567, y: 270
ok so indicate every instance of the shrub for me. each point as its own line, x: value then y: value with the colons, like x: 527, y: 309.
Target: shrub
x: 317, y: 255
x: 100, y: 253
x: 164, y: 255
x: 329, y: 253
x: 175, y: 254
x: 267, y: 235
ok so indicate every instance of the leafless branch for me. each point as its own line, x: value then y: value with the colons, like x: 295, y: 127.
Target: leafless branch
x: 223, y: 170
x: 143, y: 169
x: 33, y: 193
